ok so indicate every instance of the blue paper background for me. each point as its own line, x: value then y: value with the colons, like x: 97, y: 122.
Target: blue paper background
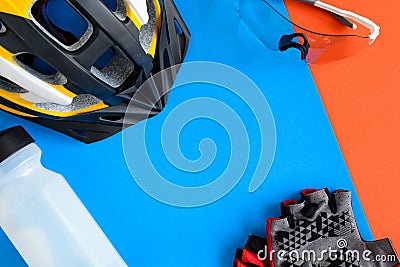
x: 149, y: 233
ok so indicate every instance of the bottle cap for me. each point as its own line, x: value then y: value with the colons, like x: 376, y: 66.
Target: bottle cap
x: 12, y: 140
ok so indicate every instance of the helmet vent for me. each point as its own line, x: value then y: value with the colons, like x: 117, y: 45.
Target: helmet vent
x: 180, y: 35
x: 167, y: 62
x: 118, y: 7
x: 113, y: 67
x: 11, y: 87
x: 178, y: 27
x: 111, y: 118
x: 71, y: 30
x: 3, y: 28
x: 40, y: 68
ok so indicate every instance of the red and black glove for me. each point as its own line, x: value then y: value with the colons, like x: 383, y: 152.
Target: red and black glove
x: 318, y: 230
x: 254, y: 253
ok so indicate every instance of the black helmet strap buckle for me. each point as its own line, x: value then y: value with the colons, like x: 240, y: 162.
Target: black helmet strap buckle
x: 287, y: 42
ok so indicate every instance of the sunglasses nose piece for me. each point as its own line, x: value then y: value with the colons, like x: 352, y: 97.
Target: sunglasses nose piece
x: 287, y: 41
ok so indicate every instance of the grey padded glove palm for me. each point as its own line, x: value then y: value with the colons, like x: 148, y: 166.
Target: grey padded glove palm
x: 320, y: 230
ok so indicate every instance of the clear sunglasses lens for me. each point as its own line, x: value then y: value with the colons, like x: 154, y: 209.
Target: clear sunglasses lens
x: 265, y: 22
x: 329, y: 39
x: 327, y: 49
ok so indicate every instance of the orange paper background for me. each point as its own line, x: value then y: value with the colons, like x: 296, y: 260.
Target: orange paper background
x: 362, y: 97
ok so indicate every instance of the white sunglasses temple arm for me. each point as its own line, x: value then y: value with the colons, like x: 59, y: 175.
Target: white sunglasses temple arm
x: 372, y: 26
x: 342, y: 19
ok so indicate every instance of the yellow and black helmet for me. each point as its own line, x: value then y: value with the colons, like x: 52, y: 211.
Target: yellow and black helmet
x: 74, y: 65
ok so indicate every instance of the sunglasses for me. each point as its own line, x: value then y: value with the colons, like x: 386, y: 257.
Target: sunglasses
x: 321, y: 32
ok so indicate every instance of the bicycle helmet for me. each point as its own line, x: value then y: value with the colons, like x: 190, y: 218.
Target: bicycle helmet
x: 74, y: 65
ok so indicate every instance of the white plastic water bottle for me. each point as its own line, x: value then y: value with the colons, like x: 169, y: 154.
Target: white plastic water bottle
x: 42, y: 216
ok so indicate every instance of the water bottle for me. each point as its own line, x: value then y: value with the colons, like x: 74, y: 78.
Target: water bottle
x: 41, y: 214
